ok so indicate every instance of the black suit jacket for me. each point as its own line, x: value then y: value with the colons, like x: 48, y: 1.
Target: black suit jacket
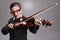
x: 19, y: 33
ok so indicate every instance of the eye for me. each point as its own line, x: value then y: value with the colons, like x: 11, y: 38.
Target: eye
x: 18, y: 10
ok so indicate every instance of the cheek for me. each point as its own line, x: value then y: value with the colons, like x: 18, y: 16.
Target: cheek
x: 19, y: 13
x: 12, y: 14
x: 16, y: 14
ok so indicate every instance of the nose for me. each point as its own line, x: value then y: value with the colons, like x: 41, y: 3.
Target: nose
x: 15, y: 13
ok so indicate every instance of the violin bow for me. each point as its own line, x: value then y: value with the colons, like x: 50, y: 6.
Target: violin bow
x: 43, y: 10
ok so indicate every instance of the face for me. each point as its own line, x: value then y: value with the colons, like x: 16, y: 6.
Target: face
x: 16, y: 11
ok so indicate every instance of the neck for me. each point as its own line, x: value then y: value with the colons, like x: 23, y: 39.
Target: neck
x: 18, y: 16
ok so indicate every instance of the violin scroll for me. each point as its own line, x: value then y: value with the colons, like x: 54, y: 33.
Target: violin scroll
x: 46, y: 22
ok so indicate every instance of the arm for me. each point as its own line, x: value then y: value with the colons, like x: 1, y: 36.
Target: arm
x: 5, y: 30
x: 34, y: 27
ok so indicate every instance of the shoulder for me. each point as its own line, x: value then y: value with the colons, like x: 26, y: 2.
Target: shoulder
x: 10, y: 20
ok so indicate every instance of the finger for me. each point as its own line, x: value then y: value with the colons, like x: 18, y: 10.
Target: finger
x: 24, y: 23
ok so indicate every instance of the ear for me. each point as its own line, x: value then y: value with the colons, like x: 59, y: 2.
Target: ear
x: 21, y: 11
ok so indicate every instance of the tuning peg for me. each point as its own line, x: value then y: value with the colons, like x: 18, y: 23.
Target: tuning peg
x: 49, y: 23
x: 46, y: 23
x: 43, y: 22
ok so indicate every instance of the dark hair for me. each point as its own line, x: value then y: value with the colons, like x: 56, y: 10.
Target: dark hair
x: 14, y: 4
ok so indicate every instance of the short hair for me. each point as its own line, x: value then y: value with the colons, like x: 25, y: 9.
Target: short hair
x: 14, y: 4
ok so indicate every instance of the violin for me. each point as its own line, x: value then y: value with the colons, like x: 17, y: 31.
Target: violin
x: 41, y: 22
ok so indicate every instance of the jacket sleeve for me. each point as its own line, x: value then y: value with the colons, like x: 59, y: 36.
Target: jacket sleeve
x: 5, y: 30
x: 34, y: 28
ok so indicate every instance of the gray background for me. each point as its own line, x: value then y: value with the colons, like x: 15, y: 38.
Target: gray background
x: 30, y: 7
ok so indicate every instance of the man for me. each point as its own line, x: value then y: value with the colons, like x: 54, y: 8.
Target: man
x: 19, y: 32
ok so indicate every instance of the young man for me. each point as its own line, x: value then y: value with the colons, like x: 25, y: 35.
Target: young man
x: 19, y: 32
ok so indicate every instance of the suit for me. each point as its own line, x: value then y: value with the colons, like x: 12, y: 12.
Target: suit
x: 20, y: 32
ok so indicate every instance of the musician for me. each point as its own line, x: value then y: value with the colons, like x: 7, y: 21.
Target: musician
x: 19, y: 32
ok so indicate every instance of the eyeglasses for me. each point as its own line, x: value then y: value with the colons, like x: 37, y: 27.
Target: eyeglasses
x: 15, y: 11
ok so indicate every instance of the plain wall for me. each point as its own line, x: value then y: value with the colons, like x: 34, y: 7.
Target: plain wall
x: 30, y: 7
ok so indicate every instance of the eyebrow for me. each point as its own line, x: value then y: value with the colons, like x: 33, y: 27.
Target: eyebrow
x: 16, y: 10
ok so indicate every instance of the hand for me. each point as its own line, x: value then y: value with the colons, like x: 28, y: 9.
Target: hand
x: 23, y: 23
x: 37, y: 21
x: 11, y: 25
x: 17, y: 24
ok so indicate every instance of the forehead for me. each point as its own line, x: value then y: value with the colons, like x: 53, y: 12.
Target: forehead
x: 15, y: 8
